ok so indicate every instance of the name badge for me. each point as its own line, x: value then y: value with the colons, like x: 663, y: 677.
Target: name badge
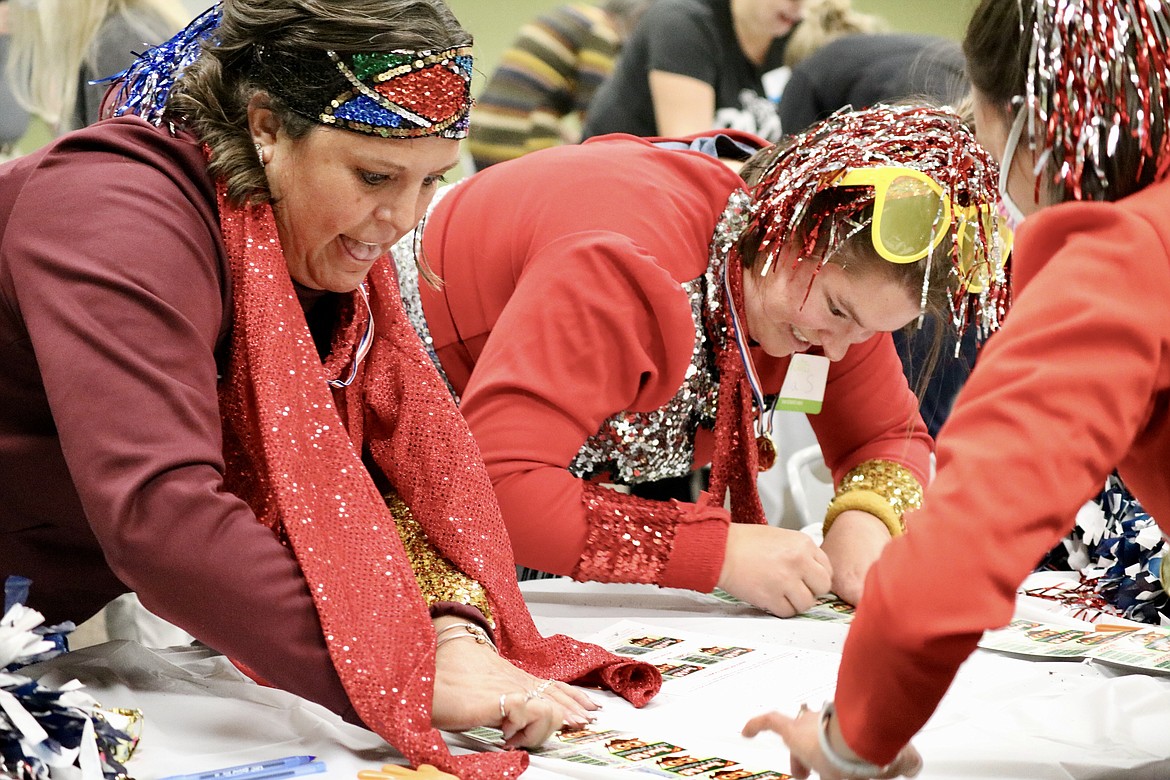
x: 804, y: 384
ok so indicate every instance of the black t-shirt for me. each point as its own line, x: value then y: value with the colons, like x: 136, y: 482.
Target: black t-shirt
x: 860, y: 70
x: 692, y: 38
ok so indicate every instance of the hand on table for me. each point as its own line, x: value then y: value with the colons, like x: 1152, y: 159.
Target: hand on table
x: 776, y: 569
x: 801, y: 735
x: 476, y: 687
x: 853, y: 543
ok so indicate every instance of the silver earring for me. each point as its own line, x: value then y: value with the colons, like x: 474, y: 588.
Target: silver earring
x: 260, y: 154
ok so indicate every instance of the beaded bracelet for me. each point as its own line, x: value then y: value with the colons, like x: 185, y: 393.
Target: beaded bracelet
x: 470, y: 631
x: 850, y: 767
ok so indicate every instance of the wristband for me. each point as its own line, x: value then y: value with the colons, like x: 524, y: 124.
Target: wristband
x: 847, y: 766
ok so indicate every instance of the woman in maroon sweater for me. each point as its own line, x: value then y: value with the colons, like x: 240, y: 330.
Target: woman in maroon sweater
x: 212, y: 397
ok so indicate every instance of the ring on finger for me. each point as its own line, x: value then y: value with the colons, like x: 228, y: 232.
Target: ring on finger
x: 503, y: 711
x: 543, y: 687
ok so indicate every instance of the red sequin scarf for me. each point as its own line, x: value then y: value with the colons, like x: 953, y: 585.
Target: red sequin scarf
x: 736, y: 459
x: 293, y: 452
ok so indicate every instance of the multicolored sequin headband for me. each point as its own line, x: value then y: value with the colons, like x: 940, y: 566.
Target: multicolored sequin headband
x: 397, y: 94
x: 1097, y: 69
x: 856, y: 152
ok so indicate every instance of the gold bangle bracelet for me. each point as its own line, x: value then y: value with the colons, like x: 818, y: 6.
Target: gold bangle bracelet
x: 865, y: 501
x: 883, y: 488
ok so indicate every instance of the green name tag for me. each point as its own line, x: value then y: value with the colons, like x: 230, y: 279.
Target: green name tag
x: 804, y: 384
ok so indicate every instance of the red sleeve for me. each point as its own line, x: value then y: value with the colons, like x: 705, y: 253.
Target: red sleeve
x: 594, y: 327
x: 120, y: 287
x: 1055, y: 401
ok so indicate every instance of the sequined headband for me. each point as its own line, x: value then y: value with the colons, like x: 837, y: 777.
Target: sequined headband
x: 398, y: 94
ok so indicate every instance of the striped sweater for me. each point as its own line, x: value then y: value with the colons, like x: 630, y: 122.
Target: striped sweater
x: 550, y: 72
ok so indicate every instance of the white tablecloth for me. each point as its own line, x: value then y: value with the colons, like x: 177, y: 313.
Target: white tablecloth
x: 1004, y: 718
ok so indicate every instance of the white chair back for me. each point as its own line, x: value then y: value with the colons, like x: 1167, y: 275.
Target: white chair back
x: 810, y: 484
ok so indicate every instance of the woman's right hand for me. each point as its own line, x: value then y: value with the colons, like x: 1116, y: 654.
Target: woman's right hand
x: 476, y: 687
x: 801, y: 736
x: 777, y: 569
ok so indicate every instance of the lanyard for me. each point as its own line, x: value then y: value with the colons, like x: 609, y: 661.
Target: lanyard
x: 363, y: 347
x: 764, y: 413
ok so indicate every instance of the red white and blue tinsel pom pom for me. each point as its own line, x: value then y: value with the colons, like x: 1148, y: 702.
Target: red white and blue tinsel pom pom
x: 1120, y: 547
x: 145, y: 87
x: 48, y: 734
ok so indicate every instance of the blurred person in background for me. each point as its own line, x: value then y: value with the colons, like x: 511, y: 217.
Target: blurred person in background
x: 824, y: 21
x: 13, y: 116
x: 538, y: 95
x: 59, y: 46
x: 696, y: 65
x: 870, y: 67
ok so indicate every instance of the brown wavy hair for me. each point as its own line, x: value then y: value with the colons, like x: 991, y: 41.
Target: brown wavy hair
x: 212, y: 95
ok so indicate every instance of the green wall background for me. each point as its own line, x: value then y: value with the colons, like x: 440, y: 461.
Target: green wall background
x: 494, y: 22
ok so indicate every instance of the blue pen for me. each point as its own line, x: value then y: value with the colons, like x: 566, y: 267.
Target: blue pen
x: 252, y: 771
x: 296, y: 771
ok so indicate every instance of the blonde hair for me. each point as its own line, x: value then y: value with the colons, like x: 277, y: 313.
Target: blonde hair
x: 825, y: 21
x: 53, y: 40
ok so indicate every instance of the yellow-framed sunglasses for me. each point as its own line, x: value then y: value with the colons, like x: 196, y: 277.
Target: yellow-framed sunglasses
x: 912, y: 215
